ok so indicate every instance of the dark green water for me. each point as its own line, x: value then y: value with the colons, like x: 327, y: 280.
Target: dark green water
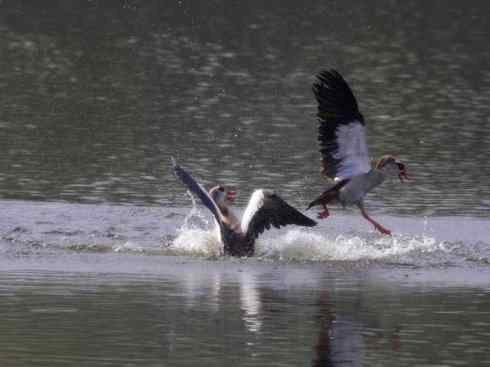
x: 182, y: 312
x: 104, y: 263
x: 97, y: 95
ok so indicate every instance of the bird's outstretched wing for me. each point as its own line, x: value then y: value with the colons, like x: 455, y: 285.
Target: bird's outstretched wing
x: 341, y: 130
x: 266, y: 209
x: 197, y: 189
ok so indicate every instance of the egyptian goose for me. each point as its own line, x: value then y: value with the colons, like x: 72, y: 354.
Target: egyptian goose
x: 345, y: 159
x: 265, y: 209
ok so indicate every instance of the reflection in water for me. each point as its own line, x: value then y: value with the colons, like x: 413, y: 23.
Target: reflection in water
x: 240, y: 313
x: 215, y: 290
x: 250, y: 302
x: 339, y: 341
x: 323, y: 349
x: 209, y: 292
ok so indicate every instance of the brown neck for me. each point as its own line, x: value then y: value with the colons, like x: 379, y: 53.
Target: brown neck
x: 229, y: 219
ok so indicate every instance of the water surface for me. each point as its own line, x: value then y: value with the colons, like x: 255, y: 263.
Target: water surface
x: 106, y: 261
x: 98, y: 96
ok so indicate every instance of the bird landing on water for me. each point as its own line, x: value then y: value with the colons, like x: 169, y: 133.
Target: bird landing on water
x: 344, y: 152
x: 265, y: 209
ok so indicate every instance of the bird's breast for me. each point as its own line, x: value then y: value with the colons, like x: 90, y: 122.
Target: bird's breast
x: 354, y: 191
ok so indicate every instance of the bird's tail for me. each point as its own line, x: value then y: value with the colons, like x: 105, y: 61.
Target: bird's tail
x: 329, y: 195
x: 314, y: 203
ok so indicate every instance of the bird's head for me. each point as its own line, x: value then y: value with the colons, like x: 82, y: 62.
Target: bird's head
x: 222, y: 196
x: 392, y: 166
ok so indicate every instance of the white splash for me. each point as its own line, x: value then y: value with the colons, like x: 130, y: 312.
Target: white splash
x: 128, y: 247
x: 198, y: 242
x: 301, y: 245
x: 195, y: 238
x: 306, y: 245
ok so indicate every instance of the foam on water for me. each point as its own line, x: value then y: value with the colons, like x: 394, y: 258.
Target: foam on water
x: 198, y: 242
x: 193, y: 238
x: 298, y: 244
x: 301, y: 245
x: 29, y: 228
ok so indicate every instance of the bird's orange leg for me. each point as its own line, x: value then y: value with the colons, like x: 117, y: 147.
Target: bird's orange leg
x: 376, y: 225
x: 324, y: 214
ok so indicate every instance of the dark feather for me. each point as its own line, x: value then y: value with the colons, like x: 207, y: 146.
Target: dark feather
x: 328, y: 195
x: 197, y: 189
x: 275, y: 212
x: 336, y: 106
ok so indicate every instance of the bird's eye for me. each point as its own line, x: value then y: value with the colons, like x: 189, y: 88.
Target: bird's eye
x: 401, y: 166
x: 221, y: 188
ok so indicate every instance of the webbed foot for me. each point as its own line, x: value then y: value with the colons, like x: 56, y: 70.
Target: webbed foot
x: 324, y: 214
x: 383, y: 230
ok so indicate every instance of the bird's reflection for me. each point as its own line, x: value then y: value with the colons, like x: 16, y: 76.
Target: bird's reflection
x: 250, y: 302
x: 339, y: 341
x: 213, y: 290
x: 323, y: 348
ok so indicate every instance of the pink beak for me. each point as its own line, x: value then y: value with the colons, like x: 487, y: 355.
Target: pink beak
x: 403, y: 176
x: 230, y: 196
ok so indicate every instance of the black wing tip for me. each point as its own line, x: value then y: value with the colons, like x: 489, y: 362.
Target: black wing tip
x: 303, y: 220
x: 310, y: 222
x: 331, y: 83
x: 173, y: 161
x: 178, y: 171
x: 329, y: 73
x: 336, y: 101
x: 176, y: 167
x: 327, y: 77
x: 311, y: 205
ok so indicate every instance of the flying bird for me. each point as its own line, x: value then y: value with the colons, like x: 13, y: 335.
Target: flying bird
x: 265, y: 209
x: 345, y: 159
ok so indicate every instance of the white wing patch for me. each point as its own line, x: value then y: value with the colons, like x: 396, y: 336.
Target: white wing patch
x: 255, y: 203
x: 352, y: 150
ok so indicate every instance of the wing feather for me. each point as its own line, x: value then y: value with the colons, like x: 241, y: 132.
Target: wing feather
x: 266, y: 210
x: 341, y: 130
x: 197, y: 189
